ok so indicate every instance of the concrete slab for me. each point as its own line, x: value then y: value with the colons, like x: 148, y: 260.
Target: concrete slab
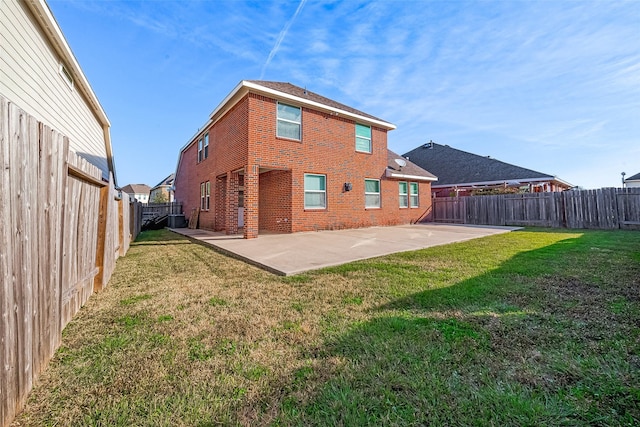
x: 288, y: 254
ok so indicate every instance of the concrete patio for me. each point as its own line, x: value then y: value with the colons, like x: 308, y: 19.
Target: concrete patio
x: 288, y: 254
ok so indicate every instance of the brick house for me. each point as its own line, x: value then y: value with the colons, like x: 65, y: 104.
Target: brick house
x: 274, y: 157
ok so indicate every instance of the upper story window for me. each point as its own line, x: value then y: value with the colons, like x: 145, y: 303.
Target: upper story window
x: 371, y: 193
x: 200, y: 147
x: 206, y: 146
x: 289, y: 122
x: 403, y: 191
x: 413, y: 193
x: 363, y: 138
x: 315, y: 191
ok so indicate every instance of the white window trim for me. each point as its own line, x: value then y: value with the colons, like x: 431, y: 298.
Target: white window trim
x: 202, y: 192
x: 401, y: 195
x: 370, y: 139
x: 207, y: 195
x: 200, y: 149
x: 417, y: 195
x: 379, y: 194
x: 278, y: 119
x: 305, y: 191
x: 205, y: 146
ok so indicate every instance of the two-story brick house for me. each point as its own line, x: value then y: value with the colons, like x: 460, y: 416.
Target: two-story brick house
x: 274, y: 157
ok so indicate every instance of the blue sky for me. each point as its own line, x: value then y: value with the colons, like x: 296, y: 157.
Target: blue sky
x: 553, y: 86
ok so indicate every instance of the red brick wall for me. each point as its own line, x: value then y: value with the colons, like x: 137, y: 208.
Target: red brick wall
x: 275, y: 201
x: 227, y: 152
x: 246, y: 138
x: 328, y: 147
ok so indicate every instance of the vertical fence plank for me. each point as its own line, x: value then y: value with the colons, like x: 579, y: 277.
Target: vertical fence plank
x: 8, y: 380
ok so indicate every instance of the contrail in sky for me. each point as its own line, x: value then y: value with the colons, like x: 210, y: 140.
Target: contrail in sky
x: 281, y: 37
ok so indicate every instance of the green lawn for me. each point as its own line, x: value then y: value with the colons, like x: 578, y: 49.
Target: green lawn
x: 535, y: 327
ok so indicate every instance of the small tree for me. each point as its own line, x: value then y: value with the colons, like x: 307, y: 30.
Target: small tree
x: 160, y: 197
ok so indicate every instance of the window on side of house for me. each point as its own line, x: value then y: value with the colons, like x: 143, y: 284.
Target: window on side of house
x: 202, y: 192
x: 403, y: 192
x: 363, y: 138
x: 315, y: 191
x: 199, y: 150
x: 206, y: 145
x: 289, y: 122
x: 207, y: 195
x: 371, y: 193
x: 413, y: 194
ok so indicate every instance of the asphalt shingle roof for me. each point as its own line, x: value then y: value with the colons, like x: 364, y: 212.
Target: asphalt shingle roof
x: 634, y: 177
x: 453, y: 166
x: 410, y: 168
x: 290, y: 89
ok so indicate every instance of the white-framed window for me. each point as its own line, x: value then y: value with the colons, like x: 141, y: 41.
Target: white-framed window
x: 413, y: 195
x: 207, y: 195
x: 289, y: 122
x: 363, y: 138
x: 403, y: 191
x: 206, y: 146
x: 371, y: 193
x: 202, y: 195
x: 200, y: 147
x: 315, y: 191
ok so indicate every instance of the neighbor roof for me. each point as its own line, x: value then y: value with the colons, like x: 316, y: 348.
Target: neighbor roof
x: 409, y: 171
x: 167, y: 181
x: 635, y: 177
x: 136, y: 189
x: 457, y: 167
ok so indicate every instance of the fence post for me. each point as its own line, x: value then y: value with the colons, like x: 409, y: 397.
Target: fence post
x: 98, y: 281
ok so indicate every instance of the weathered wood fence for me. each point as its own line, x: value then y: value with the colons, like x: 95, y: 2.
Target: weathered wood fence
x: 161, y: 209
x: 61, y: 230
x: 607, y: 208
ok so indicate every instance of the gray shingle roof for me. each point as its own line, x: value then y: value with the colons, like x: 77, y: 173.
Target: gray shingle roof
x: 634, y: 177
x: 410, y: 169
x: 453, y: 166
x: 167, y: 181
x: 290, y: 89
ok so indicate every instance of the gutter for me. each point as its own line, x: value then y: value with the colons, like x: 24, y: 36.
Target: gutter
x: 502, y: 181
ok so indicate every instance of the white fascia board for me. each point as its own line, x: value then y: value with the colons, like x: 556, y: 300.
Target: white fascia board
x: 196, y: 135
x: 395, y: 175
x: 42, y: 12
x: 502, y: 181
x: 303, y: 101
x: 246, y: 86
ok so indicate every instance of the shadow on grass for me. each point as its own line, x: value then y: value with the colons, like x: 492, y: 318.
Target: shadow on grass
x: 512, y: 346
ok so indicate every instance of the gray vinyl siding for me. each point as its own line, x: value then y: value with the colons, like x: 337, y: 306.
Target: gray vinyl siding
x: 30, y: 78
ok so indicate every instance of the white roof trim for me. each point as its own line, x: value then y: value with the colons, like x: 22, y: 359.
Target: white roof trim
x: 391, y: 174
x: 247, y: 86
x: 502, y: 181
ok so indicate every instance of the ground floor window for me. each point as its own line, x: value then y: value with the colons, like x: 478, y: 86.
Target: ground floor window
x: 371, y: 193
x: 413, y: 189
x: 205, y: 195
x: 404, y: 194
x: 315, y: 191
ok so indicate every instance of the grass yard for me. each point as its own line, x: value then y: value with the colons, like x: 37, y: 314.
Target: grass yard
x: 535, y: 327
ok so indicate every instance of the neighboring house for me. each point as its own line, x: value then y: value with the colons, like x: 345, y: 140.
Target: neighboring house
x: 632, y: 181
x: 461, y: 173
x: 163, y: 191
x: 275, y: 157
x: 40, y: 75
x: 140, y: 192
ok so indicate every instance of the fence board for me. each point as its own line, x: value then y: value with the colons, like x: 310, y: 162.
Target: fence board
x: 607, y: 208
x: 49, y: 206
x: 8, y: 354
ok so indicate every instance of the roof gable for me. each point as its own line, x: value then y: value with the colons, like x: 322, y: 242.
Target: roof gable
x: 453, y: 166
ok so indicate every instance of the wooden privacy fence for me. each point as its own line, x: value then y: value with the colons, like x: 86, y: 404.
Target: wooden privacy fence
x: 61, y: 230
x: 607, y: 208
